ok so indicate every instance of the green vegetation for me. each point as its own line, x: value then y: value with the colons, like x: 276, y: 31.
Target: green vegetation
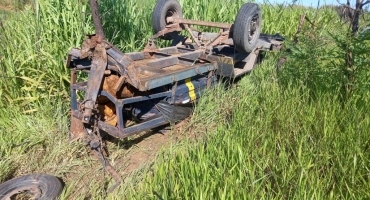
x: 300, y: 133
x: 270, y: 142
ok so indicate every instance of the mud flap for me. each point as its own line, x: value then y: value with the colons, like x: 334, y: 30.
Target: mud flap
x: 174, y: 113
x: 77, y: 130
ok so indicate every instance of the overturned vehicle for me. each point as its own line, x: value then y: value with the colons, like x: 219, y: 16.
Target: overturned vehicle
x: 126, y: 93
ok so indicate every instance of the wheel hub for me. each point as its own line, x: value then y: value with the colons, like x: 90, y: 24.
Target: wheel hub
x: 26, y: 192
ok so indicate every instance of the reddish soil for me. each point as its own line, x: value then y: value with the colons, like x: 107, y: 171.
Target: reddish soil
x: 8, y: 8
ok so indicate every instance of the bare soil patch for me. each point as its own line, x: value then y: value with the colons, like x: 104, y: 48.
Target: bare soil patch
x: 6, y: 7
x: 127, y: 156
x: 144, y: 148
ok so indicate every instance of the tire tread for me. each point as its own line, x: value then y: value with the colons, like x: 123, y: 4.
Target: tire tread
x: 239, y: 36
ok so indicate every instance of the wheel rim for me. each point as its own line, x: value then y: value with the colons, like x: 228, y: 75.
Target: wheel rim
x: 26, y: 192
x: 253, y: 28
x: 172, y: 12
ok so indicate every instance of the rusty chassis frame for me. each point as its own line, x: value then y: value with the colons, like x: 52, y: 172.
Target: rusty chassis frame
x: 221, y: 60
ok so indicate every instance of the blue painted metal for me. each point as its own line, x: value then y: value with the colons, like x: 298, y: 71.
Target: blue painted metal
x: 114, y: 131
x: 144, y: 107
x: 182, y: 93
x: 198, y: 69
x: 121, y: 131
x: 72, y: 90
x: 82, y: 87
x: 144, y: 98
x: 73, y: 99
x: 120, y: 118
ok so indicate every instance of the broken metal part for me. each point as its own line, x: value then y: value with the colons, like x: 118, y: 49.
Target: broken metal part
x: 169, y: 28
x: 192, y: 35
x: 96, y: 18
x: 119, y: 83
x: 150, y: 46
x: 98, y: 66
x: 76, y: 129
x: 125, y: 64
x: 94, y: 140
x: 97, y: 153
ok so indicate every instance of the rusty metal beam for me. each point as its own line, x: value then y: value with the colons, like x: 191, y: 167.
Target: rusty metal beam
x: 197, y: 22
x: 115, y: 132
x: 174, y: 59
x: 96, y: 18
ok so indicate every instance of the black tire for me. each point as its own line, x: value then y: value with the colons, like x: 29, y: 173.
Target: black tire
x: 162, y: 10
x: 247, y: 27
x: 37, y: 186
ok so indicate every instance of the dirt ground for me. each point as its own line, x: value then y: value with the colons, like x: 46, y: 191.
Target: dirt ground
x: 7, y: 8
x: 126, y: 156
x: 148, y: 145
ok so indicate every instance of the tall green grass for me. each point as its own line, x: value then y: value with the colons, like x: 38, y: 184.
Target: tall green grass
x: 290, y: 135
x: 33, y: 77
x: 27, y: 138
x: 272, y: 142
x: 127, y: 23
x: 34, y: 48
x: 4, y: 14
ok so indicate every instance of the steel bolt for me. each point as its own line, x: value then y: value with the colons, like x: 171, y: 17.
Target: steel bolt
x: 86, y: 118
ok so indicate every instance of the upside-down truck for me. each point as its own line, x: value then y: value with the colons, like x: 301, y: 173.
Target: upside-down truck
x: 122, y: 94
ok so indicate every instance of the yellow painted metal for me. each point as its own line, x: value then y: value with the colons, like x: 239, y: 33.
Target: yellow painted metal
x: 190, y: 86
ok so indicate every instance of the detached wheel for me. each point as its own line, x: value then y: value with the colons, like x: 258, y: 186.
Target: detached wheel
x: 247, y: 27
x: 162, y: 10
x: 34, y: 186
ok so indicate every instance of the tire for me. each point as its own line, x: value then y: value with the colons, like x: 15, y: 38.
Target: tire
x: 162, y: 10
x: 35, y: 186
x: 247, y: 27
